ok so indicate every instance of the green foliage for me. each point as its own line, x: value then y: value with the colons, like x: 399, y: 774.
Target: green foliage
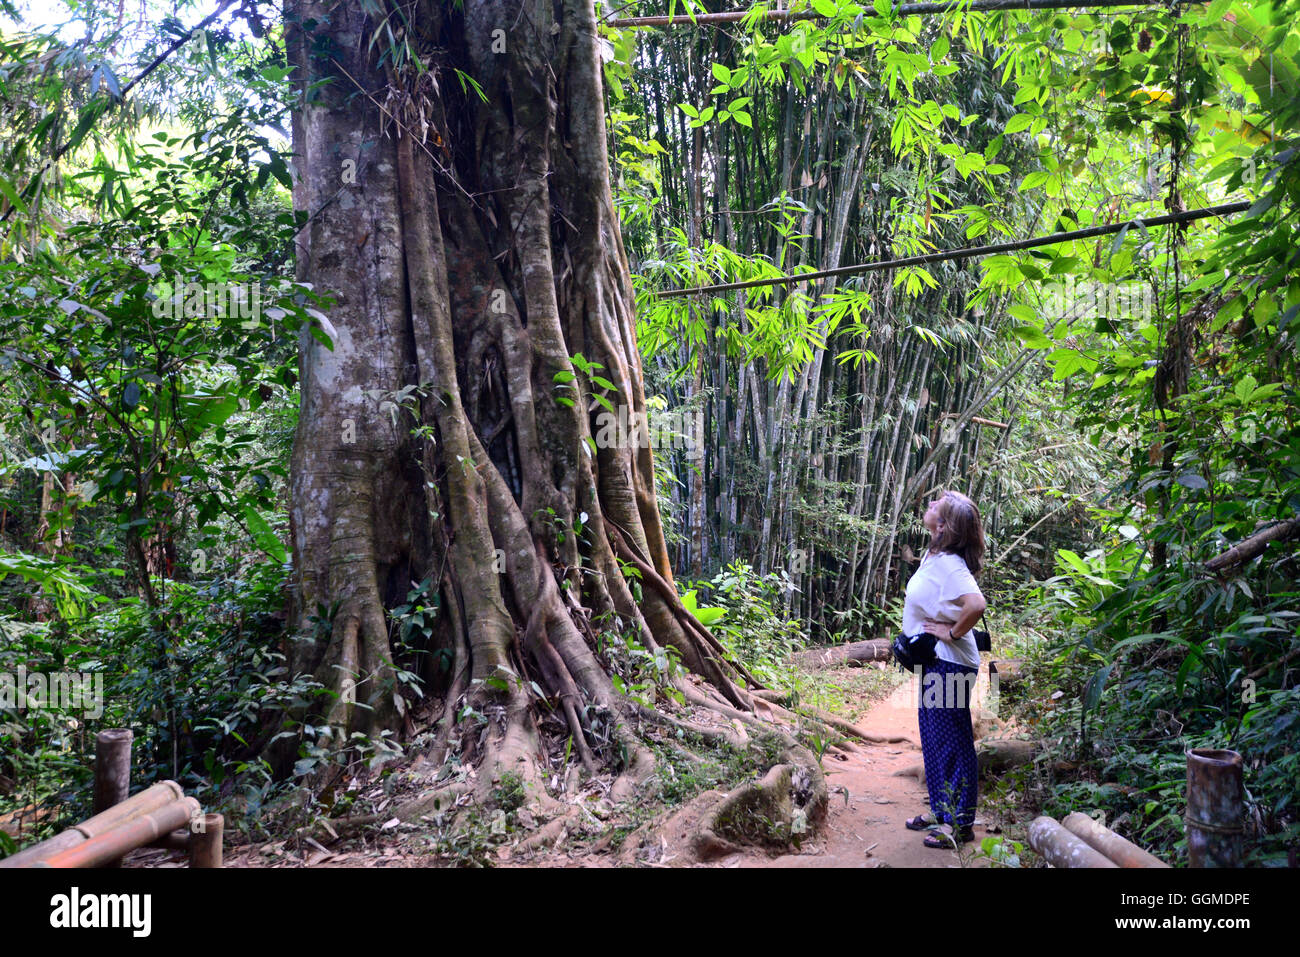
x: 140, y: 337
x: 1129, y: 700
x: 1000, y: 852
x: 1178, y: 403
x: 748, y: 623
x: 636, y: 671
x: 684, y: 774
x: 197, y: 695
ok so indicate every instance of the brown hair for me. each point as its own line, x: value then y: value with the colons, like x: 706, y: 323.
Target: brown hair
x: 960, y: 530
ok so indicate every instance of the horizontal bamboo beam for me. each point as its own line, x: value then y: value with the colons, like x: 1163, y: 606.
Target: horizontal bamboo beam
x: 1060, y: 848
x: 177, y: 840
x: 126, y: 837
x: 1187, y: 216
x: 1106, y: 842
x: 902, y: 10
x: 146, y: 802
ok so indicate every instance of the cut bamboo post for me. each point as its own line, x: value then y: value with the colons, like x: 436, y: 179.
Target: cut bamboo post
x: 147, y: 801
x: 127, y: 836
x: 112, y: 770
x: 112, y: 767
x: 206, y: 843
x: 1214, y: 808
x: 1060, y: 848
x: 1106, y: 842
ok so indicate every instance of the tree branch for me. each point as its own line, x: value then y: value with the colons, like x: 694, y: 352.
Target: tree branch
x: 159, y: 60
x: 1255, y: 545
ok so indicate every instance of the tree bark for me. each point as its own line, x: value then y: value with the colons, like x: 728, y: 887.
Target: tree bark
x: 471, y: 249
x: 857, y: 652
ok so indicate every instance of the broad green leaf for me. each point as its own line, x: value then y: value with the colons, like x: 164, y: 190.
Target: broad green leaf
x: 263, y: 534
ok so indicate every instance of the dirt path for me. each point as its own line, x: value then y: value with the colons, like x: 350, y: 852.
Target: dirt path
x: 866, y: 830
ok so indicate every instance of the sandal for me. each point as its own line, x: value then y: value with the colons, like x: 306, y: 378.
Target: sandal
x: 920, y: 823
x: 945, y: 841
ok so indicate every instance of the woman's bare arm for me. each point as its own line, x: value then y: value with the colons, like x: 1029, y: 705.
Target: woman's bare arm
x: 972, y: 606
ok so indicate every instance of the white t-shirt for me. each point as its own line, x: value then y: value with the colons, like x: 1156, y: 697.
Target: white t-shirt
x: 932, y: 592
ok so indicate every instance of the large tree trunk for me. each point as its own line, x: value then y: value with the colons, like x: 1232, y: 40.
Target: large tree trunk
x: 471, y: 248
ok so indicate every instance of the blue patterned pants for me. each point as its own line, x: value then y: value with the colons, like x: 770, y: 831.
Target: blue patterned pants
x: 948, y: 742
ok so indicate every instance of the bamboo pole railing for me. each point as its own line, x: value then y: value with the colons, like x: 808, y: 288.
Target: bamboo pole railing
x: 160, y: 815
x: 1079, y: 841
x: 1214, y: 823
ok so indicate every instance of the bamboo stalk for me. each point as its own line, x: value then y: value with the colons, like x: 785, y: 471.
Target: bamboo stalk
x: 153, y: 65
x: 112, y: 767
x: 1105, y: 841
x: 127, y: 836
x: 1254, y: 546
x: 205, y: 844
x: 146, y: 802
x: 1214, y: 808
x: 1060, y: 848
x: 977, y: 420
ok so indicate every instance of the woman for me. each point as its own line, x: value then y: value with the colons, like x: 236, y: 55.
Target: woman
x: 943, y: 600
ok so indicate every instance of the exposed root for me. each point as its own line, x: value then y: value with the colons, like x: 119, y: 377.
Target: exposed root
x: 714, y: 666
x: 788, y: 802
x: 557, y: 676
x: 833, y: 720
x: 550, y: 833
x: 640, y: 766
x: 733, y: 734
x: 435, y: 800
x: 695, y: 696
x: 459, y: 680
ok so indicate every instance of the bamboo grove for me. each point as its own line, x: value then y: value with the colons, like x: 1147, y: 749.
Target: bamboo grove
x: 820, y: 402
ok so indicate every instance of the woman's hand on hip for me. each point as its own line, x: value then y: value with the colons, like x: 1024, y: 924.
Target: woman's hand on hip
x: 940, y: 629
